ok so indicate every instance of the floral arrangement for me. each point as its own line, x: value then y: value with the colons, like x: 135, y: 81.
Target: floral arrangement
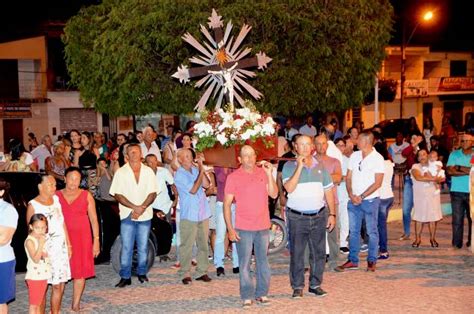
x: 230, y: 127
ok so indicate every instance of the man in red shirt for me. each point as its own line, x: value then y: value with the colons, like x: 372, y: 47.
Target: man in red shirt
x: 250, y: 186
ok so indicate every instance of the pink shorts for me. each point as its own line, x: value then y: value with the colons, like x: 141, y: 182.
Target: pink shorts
x: 36, y: 290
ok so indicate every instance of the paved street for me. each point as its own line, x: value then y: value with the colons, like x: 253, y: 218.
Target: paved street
x: 411, y: 281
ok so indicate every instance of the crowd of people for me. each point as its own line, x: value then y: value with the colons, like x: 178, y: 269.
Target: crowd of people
x: 334, y: 191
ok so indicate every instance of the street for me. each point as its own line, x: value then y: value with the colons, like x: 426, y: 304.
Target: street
x: 429, y: 280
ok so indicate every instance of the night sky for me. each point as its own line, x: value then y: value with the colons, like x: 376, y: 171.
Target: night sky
x: 452, y: 28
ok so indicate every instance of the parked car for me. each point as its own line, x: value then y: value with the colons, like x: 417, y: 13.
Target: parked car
x: 24, y: 187
x: 392, y: 126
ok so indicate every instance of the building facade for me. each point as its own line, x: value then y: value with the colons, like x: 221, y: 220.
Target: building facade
x: 438, y: 84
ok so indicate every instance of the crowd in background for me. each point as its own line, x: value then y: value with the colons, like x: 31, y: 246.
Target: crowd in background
x: 82, y: 166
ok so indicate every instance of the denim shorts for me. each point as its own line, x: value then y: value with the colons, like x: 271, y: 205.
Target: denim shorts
x: 7, y: 281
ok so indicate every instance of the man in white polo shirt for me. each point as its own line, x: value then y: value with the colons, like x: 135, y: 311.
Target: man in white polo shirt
x: 364, y: 179
x: 308, y: 184
x: 149, y: 146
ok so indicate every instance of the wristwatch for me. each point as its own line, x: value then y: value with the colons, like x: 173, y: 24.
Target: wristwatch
x: 458, y: 168
x: 362, y: 196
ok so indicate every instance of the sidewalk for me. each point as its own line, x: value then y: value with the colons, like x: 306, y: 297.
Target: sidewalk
x: 423, y: 280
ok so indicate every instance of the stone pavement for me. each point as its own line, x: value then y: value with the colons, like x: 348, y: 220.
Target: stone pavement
x: 429, y: 280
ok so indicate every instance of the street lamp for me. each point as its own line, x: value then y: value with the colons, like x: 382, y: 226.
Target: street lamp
x: 427, y: 16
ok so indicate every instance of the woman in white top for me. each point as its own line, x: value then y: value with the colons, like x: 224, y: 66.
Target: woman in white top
x: 428, y: 130
x: 386, y: 199
x: 58, y: 245
x: 427, y: 202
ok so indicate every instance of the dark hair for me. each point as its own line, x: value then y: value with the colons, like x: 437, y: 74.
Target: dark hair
x: 350, y: 129
x: 434, y: 138
x: 418, y: 152
x: 340, y: 139
x: 4, y: 186
x: 16, y: 148
x: 71, y: 169
x: 188, y: 124
x: 31, y: 135
x: 101, y: 159
x: 430, y: 120
x: 35, y: 218
x: 381, y: 148
x: 89, y: 136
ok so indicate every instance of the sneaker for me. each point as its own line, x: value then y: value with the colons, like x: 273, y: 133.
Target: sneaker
x: 176, y: 265
x: 317, y: 291
x: 404, y: 237
x: 263, y: 300
x: 247, y: 304
x: 364, y: 248
x: 344, y: 250
x: 194, y: 262
x: 297, y: 294
x: 384, y: 255
x: 235, y: 270
x: 220, y: 271
x: 371, y: 266
x: 347, y: 265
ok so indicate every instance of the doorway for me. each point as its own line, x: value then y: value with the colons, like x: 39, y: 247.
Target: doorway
x: 453, y: 110
x: 12, y: 128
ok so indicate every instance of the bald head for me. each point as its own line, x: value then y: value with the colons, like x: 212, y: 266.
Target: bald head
x: 248, y: 157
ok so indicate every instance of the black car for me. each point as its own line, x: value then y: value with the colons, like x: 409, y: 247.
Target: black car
x: 24, y: 187
x: 392, y: 126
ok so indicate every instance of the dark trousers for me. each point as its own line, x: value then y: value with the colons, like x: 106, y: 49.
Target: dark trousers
x: 307, y: 230
x: 460, y: 206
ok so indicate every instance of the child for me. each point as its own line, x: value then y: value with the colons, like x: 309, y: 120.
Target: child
x: 435, y: 168
x: 38, y: 267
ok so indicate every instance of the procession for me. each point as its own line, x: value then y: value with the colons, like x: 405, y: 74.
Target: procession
x: 234, y: 200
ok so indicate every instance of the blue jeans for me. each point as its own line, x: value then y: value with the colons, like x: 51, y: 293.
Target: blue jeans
x: 131, y: 232
x: 384, y: 207
x: 407, y: 203
x: 221, y: 230
x: 258, y: 240
x: 369, y: 210
x: 307, y: 231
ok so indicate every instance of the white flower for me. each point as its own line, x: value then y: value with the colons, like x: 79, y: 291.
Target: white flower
x: 203, y: 129
x: 238, y: 123
x: 257, y: 128
x: 246, y: 135
x: 268, y: 129
x: 233, y: 137
x: 243, y: 112
x: 221, y: 138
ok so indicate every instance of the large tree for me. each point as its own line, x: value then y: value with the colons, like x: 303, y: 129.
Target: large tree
x: 121, y: 54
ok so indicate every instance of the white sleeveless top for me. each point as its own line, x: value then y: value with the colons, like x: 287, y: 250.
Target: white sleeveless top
x: 40, y: 270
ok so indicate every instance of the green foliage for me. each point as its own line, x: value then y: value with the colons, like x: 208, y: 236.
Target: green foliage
x: 121, y: 54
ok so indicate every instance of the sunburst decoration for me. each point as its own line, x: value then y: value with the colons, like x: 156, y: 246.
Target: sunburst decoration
x: 222, y: 65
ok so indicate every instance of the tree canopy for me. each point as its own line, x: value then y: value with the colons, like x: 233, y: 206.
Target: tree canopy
x: 121, y: 53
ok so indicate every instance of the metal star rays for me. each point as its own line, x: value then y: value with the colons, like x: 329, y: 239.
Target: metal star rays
x: 222, y: 64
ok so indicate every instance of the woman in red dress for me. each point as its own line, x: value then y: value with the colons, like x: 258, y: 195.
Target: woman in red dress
x: 79, y: 209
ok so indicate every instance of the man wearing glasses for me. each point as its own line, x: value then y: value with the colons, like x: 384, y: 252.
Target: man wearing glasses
x: 363, y: 182
x: 459, y: 166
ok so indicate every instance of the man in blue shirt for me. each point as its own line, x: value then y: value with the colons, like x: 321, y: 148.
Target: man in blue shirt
x: 459, y: 166
x: 194, y: 215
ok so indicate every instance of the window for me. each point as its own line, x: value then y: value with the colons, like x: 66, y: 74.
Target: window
x: 429, y: 67
x: 458, y: 68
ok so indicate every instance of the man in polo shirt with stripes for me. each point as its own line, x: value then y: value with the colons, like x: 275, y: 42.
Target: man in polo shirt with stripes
x: 308, y: 184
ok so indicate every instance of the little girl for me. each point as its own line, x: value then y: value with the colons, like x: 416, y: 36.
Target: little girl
x: 38, y: 268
